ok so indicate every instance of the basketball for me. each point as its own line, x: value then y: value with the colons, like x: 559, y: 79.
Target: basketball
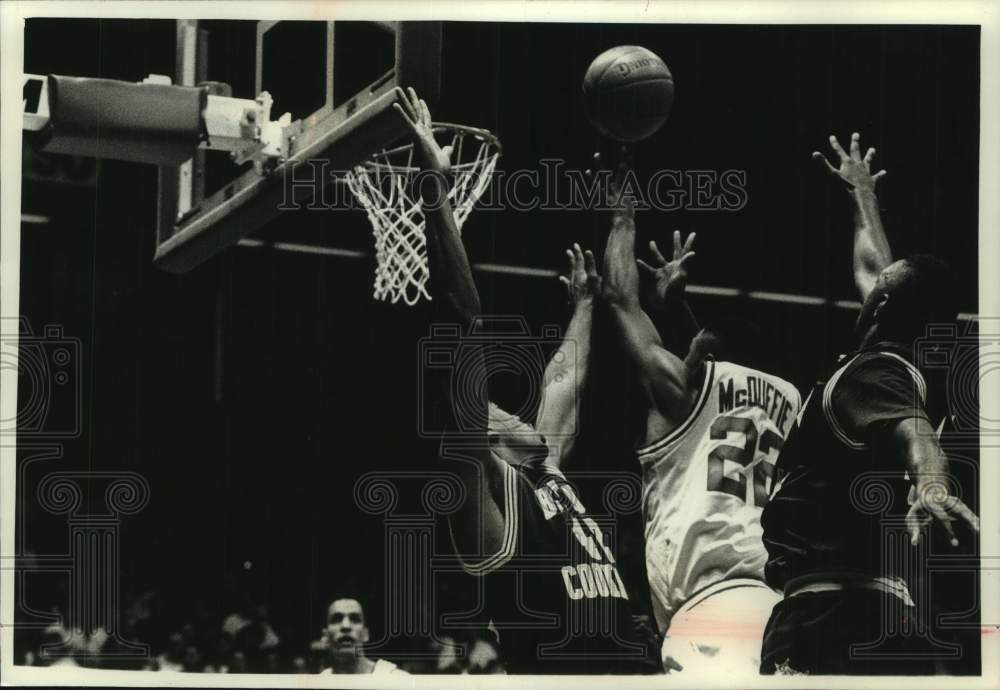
x: 627, y: 93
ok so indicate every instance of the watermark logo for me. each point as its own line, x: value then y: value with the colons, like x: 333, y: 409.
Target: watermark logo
x: 550, y: 186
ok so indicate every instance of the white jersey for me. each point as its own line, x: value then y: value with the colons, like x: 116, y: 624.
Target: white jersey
x: 705, y: 484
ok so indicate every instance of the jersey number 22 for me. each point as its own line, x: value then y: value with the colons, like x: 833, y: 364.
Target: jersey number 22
x: 763, y: 443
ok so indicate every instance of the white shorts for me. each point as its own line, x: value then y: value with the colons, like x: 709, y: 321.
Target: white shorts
x: 720, y: 629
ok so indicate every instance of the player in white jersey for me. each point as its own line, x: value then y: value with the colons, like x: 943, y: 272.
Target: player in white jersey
x: 712, y: 434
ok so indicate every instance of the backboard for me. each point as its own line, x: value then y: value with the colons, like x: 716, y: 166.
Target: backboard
x: 338, y: 80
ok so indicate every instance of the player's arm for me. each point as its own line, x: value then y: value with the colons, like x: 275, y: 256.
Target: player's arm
x: 878, y: 403
x: 916, y: 442
x: 666, y: 281
x: 871, y: 248
x: 566, y: 372
x: 662, y: 375
x: 480, y: 525
x: 450, y: 280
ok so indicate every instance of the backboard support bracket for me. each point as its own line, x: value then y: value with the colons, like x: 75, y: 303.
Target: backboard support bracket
x: 193, y: 227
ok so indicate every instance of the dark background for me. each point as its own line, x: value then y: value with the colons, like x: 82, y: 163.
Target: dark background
x: 255, y: 390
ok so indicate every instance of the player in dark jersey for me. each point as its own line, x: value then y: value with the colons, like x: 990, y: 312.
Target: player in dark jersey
x: 551, y: 581
x: 829, y: 544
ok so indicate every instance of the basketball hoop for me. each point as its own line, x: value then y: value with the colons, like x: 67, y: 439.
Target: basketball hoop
x: 384, y: 187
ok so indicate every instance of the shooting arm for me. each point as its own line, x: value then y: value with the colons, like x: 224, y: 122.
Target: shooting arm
x: 663, y: 376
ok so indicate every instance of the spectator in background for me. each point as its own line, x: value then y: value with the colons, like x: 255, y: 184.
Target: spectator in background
x: 484, y: 657
x: 239, y: 618
x: 171, y: 660
x: 258, y: 641
x: 220, y: 658
x: 448, y: 659
x: 346, y: 634
x: 317, y: 655
x: 56, y: 648
x: 192, y: 661
x: 238, y: 663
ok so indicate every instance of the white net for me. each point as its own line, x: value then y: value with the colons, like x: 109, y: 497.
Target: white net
x: 384, y: 187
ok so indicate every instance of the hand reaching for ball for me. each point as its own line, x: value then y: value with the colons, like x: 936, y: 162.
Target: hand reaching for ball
x: 667, y: 279
x: 854, y: 171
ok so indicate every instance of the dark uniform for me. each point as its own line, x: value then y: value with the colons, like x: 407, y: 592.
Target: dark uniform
x: 830, y: 545
x: 554, y: 592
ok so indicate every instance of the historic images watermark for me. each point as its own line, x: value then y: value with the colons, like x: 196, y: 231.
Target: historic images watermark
x: 551, y: 186
x: 88, y: 624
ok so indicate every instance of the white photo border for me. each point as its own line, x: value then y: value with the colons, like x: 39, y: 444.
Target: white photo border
x: 984, y: 13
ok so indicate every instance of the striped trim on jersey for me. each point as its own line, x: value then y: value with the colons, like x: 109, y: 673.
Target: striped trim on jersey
x: 918, y: 378
x: 510, y: 529
x: 839, y: 581
x: 682, y: 428
x: 831, y: 418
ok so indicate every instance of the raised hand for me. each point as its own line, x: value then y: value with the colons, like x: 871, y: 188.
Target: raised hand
x: 854, y: 170
x: 417, y: 116
x: 583, y: 283
x: 667, y: 279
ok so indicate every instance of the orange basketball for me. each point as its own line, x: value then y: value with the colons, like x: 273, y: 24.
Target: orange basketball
x: 627, y: 93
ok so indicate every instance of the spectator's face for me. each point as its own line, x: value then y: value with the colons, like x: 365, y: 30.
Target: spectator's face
x: 345, y: 626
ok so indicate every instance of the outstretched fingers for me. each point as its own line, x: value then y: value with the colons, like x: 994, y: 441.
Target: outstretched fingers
x: 914, y: 522
x: 942, y: 516
x: 579, y: 261
x: 837, y: 148
x: 655, y: 251
x: 689, y: 243
x: 869, y: 155
x: 590, y: 264
x: 405, y: 115
x: 820, y: 157
x: 962, y: 511
x: 425, y: 112
x: 567, y: 279
x: 856, y: 146
x: 678, y: 249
